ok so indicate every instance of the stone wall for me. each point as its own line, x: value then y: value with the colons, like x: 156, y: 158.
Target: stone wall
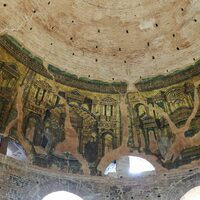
x: 21, y: 181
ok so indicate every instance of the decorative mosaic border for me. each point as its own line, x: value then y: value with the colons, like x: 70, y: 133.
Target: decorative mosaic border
x: 162, y: 81
x: 36, y: 64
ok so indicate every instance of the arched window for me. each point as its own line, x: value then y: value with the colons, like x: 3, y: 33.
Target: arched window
x: 193, y: 194
x: 15, y: 151
x: 111, y: 168
x: 62, y: 195
x: 139, y: 165
x: 12, y: 148
x: 128, y: 166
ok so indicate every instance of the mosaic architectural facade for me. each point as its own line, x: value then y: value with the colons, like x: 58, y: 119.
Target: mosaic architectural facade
x: 75, y: 124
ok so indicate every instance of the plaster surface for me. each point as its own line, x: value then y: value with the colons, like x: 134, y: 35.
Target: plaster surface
x: 107, y: 40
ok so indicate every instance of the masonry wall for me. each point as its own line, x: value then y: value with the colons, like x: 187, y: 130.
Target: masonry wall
x: 21, y: 181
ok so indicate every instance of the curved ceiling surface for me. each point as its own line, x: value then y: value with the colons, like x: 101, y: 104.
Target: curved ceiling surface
x: 107, y: 40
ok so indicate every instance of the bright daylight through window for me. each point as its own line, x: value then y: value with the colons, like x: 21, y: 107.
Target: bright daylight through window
x: 61, y: 195
x: 193, y: 194
x: 139, y: 165
x: 136, y: 166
